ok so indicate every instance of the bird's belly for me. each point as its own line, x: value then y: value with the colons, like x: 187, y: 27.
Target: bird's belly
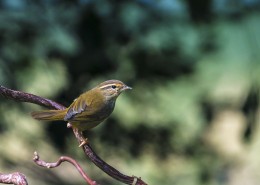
x: 85, y: 125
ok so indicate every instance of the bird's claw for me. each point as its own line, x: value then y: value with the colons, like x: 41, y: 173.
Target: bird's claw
x: 84, y: 142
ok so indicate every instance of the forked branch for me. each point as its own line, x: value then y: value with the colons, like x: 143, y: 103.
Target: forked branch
x: 62, y: 159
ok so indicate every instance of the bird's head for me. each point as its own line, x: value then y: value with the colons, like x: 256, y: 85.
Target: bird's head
x: 112, y: 88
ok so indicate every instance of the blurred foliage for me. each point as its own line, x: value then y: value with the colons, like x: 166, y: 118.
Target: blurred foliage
x: 193, y: 115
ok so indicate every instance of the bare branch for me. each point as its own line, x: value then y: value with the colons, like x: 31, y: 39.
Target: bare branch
x: 62, y: 159
x: 26, y: 97
x: 15, y: 178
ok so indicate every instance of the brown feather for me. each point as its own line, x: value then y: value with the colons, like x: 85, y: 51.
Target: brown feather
x: 49, y: 115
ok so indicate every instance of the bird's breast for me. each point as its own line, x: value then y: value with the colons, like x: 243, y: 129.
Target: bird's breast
x: 105, y: 110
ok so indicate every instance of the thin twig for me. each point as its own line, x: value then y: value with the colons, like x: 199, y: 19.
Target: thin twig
x: 62, y: 159
x: 26, y: 97
x: 15, y: 178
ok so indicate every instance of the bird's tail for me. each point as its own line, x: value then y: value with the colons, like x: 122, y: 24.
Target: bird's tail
x: 49, y: 115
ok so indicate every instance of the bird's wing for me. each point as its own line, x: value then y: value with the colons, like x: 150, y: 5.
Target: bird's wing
x: 78, y: 106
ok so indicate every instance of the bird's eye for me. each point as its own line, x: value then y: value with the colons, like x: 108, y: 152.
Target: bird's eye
x: 113, y: 86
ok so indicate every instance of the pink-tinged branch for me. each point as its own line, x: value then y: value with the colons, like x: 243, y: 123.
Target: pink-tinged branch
x: 15, y: 178
x: 62, y: 159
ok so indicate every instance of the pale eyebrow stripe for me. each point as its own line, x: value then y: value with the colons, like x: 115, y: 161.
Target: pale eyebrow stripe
x: 105, y: 86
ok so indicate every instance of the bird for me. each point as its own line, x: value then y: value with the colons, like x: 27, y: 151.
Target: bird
x: 88, y: 110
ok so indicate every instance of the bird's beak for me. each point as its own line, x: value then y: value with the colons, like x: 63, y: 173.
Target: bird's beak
x: 126, y: 88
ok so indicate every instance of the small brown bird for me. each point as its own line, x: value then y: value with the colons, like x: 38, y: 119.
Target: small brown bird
x: 90, y: 108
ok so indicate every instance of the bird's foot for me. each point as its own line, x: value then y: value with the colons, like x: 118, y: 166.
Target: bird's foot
x: 135, y: 180
x: 84, y: 142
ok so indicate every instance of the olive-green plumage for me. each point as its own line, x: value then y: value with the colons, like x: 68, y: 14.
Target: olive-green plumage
x: 90, y: 108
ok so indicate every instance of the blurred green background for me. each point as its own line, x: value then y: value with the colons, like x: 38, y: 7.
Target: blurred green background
x: 192, y: 117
